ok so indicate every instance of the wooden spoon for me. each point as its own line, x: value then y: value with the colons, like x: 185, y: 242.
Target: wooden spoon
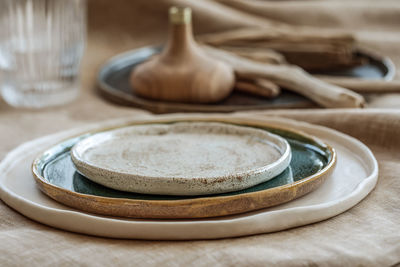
x: 183, y: 72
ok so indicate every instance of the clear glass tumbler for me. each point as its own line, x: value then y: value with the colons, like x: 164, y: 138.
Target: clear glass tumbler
x: 41, y: 47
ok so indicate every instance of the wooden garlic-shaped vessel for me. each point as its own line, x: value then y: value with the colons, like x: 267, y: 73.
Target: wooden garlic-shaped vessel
x: 183, y: 72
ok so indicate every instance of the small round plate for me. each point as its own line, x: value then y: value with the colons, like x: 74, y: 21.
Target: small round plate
x: 186, y: 158
x: 312, y: 162
x: 113, y: 83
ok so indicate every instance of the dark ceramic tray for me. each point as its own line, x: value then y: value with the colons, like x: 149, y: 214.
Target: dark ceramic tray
x: 113, y: 83
x: 56, y: 175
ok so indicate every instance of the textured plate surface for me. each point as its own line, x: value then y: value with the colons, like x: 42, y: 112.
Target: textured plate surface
x: 353, y: 178
x: 312, y: 162
x: 186, y: 158
x: 113, y: 82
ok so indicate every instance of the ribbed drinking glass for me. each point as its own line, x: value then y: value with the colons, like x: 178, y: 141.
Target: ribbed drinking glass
x: 41, y: 47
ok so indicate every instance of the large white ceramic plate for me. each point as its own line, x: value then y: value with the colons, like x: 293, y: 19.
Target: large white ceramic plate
x: 355, y: 176
x: 184, y: 158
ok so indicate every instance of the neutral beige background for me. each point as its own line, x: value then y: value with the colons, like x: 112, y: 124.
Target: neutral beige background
x: 366, y: 235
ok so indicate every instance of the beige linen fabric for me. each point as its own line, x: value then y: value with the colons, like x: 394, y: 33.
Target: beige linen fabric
x: 366, y: 235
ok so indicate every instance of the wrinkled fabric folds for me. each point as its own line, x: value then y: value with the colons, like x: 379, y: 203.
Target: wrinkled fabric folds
x: 366, y: 235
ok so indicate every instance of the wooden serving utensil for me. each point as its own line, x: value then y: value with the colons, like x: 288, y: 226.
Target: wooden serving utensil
x: 292, y: 78
x: 183, y: 72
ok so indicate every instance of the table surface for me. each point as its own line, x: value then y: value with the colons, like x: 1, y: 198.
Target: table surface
x: 367, y: 234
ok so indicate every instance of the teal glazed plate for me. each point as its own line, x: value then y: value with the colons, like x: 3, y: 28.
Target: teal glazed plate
x: 312, y: 162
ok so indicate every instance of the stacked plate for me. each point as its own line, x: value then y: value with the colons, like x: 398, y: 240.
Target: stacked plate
x: 190, y: 177
x: 177, y: 162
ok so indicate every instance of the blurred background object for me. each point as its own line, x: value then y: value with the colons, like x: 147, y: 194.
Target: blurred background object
x: 337, y: 44
x: 41, y: 47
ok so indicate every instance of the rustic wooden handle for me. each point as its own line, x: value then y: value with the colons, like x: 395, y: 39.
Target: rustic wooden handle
x: 364, y: 86
x: 260, y: 87
x: 292, y: 78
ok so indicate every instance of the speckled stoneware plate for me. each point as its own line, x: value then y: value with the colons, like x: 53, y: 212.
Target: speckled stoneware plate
x: 354, y: 177
x: 184, y: 158
x: 113, y: 83
x: 312, y: 161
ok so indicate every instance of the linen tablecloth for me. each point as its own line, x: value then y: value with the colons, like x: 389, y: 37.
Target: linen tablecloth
x: 366, y: 235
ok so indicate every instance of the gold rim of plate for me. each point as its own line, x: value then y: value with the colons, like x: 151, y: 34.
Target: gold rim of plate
x: 202, y: 207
